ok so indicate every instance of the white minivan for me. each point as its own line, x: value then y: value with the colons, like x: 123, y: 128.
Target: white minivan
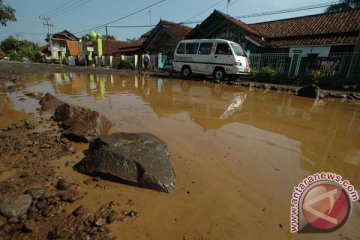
x: 218, y: 57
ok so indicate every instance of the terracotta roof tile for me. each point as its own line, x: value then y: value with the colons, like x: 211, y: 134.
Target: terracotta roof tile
x: 313, y: 40
x: 73, y: 47
x: 240, y: 24
x: 112, y: 46
x: 176, y: 30
x: 330, y: 28
x: 66, y: 35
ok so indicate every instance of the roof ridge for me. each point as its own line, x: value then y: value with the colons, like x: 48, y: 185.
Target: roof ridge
x: 307, y: 16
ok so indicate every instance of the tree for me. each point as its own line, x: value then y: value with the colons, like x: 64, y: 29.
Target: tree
x: 16, y: 49
x: 344, y: 5
x: 7, y: 14
x: 110, y: 37
x: 130, y: 39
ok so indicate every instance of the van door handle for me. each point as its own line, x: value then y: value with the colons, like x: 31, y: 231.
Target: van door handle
x: 216, y: 56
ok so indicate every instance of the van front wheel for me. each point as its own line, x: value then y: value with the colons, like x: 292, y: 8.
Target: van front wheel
x: 186, y: 72
x: 219, y: 74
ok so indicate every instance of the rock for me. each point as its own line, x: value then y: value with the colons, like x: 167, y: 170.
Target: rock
x: 69, y: 196
x: 24, y: 174
x: 18, y: 146
x: 99, y: 221
x: 311, y: 91
x: 36, y: 95
x: 41, y: 204
x: 30, y: 226
x: 62, y: 184
x: 79, y: 211
x: 35, y: 192
x: 81, y: 124
x: 49, y: 102
x: 355, y: 96
x: 111, y: 218
x: 139, y: 159
x: 132, y: 214
x: 3, y: 221
x: 16, y: 205
x: 13, y: 220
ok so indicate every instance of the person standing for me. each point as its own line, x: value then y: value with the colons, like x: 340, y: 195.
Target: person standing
x: 146, y: 61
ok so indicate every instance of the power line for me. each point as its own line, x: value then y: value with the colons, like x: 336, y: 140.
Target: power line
x: 70, y: 8
x: 132, y: 26
x: 241, y: 16
x: 57, y: 8
x: 196, y: 15
x: 288, y: 10
x: 126, y: 16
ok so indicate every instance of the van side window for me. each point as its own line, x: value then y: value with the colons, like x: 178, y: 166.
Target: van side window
x: 181, y: 48
x: 191, y: 48
x: 205, y: 48
x: 223, y: 48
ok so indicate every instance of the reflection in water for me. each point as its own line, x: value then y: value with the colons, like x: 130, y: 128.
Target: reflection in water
x: 8, y: 114
x: 236, y: 105
x: 327, y: 130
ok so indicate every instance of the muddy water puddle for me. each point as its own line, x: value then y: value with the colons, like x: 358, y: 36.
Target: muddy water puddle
x: 237, y: 153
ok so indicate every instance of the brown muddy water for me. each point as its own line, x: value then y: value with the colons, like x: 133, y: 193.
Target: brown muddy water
x: 237, y: 152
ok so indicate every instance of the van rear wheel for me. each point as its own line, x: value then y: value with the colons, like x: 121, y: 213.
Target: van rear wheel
x: 186, y: 72
x: 219, y: 74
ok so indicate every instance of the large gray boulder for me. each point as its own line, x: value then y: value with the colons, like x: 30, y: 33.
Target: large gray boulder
x: 81, y: 124
x: 49, y: 102
x: 311, y: 91
x: 140, y: 159
x: 15, y: 206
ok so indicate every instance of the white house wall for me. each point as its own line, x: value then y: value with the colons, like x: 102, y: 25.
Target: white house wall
x: 323, y: 51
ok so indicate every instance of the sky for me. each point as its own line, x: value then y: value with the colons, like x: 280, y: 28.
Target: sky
x: 77, y: 16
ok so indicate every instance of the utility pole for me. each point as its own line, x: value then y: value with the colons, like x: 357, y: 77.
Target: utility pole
x: 49, y: 25
x: 106, y: 31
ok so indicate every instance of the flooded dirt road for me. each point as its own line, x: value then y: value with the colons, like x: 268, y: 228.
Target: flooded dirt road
x: 237, y: 152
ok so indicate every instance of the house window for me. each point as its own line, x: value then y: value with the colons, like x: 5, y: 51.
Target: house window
x: 192, y: 48
x: 181, y: 48
x: 223, y: 48
x: 205, y: 48
x: 62, y: 44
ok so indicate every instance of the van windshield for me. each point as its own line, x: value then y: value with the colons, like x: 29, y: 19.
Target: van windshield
x: 238, y: 50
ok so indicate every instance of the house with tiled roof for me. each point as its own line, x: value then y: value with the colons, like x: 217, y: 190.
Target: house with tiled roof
x: 327, y: 29
x: 303, y: 41
x: 110, y: 47
x: 63, y: 44
x: 160, y: 42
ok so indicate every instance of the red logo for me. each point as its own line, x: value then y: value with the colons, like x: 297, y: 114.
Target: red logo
x: 325, y: 207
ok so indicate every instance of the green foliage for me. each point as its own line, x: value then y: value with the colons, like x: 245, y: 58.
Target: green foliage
x: 130, y: 39
x: 7, y: 14
x: 16, y: 50
x: 344, y: 5
x: 124, y: 65
x: 253, y: 72
x: 110, y: 37
x: 9, y: 43
x: 154, y: 69
x: 266, y: 72
x: 316, y: 74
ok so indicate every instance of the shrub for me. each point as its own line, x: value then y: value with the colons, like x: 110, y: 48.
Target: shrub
x: 124, y: 65
x: 266, y: 72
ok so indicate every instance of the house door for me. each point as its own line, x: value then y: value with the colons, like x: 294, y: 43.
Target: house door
x: 295, y: 63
